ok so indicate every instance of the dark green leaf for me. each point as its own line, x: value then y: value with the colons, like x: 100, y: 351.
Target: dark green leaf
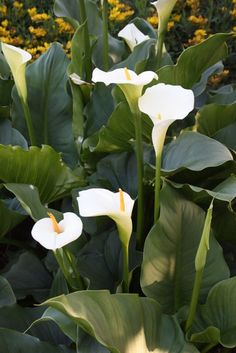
x: 168, y: 269
x: 7, y: 296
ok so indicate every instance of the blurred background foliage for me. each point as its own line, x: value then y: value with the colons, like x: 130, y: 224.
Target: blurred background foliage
x: 32, y: 25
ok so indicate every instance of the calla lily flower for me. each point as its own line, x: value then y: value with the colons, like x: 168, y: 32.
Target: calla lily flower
x: 17, y: 59
x: 132, y: 35
x: 116, y: 205
x: 53, y: 235
x: 77, y: 80
x: 130, y: 83
x: 164, y: 104
x: 164, y: 9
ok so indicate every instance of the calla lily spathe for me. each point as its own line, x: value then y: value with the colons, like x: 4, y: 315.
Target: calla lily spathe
x: 164, y: 9
x: 164, y: 104
x: 130, y: 83
x: 17, y: 59
x: 52, y: 235
x: 132, y: 35
x: 116, y: 205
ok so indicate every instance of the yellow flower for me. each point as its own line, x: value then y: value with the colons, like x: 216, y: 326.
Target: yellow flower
x: 198, y: 19
x: 63, y: 26
x: 199, y: 36
x: 233, y: 13
x: 153, y: 20
x: 170, y: 25
x: 4, y: 23
x: 40, y: 17
x: 38, y: 32
x: 32, y: 11
x: 17, y: 5
x: 4, y: 32
x: 176, y: 17
x: 3, y: 9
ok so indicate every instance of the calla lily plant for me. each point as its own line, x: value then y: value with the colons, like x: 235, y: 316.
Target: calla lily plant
x: 164, y: 104
x: 116, y: 205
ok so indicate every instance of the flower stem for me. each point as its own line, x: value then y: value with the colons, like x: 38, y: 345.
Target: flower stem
x: 28, y: 120
x: 160, y: 43
x: 87, y: 48
x: 194, y: 299
x: 125, y: 285
x: 105, y: 35
x: 139, y: 157
x: 157, y: 187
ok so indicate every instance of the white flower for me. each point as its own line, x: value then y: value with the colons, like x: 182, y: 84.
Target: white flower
x: 164, y: 104
x: 130, y: 83
x: 132, y: 35
x: 164, y: 9
x: 17, y: 59
x: 52, y: 235
x: 116, y: 205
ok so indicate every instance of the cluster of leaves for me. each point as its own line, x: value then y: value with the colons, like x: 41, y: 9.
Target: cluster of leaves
x: 85, y: 137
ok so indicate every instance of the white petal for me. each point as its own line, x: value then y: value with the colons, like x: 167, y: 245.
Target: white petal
x: 132, y: 35
x: 72, y: 229
x: 159, y: 134
x: 166, y: 102
x: 118, y: 76
x: 18, y: 55
x: 164, y: 9
x: 44, y: 234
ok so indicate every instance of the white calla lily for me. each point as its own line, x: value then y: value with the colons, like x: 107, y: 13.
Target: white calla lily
x: 164, y: 104
x: 164, y: 9
x: 132, y: 35
x: 116, y: 205
x: 17, y: 59
x: 52, y: 235
x: 130, y: 83
x: 76, y: 79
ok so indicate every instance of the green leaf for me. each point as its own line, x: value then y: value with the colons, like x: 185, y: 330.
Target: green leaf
x: 7, y: 296
x: 119, y: 132
x: 9, y: 216
x: 123, y: 323
x: 23, y: 279
x: 46, y: 81
x: 219, y: 122
x: 189, y: 151
x: 168, y: 268
x: 10, y: 136
x: 216, y: 320
x: 194, y: 61
x: 13, y: 341
x: 34, y: 167
x: 29, y: 198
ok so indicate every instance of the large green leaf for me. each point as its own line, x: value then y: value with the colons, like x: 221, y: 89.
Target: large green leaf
x: 216, y: 320
x: 35, y: 167
x: 10, y: 136
x: 28, y: 197
x: 124, y: 323
x: 119, y: 132
x: 23, y: 279
x: 194, y: 61
x: 219, y: 122
x: 50, y: 104
x: 189, y: 151
x: 168, y: 268
x: 10, y: 215
x: 7, y: 296
x: 13, y: 341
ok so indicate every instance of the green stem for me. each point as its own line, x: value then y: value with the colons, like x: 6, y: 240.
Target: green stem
x: 87, y: 48
x: 75, y: 273
x: 194, y: 299
x: 59, y: 258
x: 105, y: 36
x: 157, y: 187
x: 160, y: 43
x: 125, y: 286
x: 29, y: 123
x: 210, y: 14
x: 139, y: 157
